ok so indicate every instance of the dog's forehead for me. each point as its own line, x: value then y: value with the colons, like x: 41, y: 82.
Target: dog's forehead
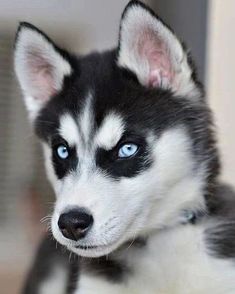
x: 103, y: 101
x: 82, y: 128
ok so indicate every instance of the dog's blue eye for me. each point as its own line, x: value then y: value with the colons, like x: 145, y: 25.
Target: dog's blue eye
x: 127, y: 150
x: 62, y: 152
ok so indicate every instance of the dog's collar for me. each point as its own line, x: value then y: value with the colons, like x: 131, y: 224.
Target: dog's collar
x: 192, y: 217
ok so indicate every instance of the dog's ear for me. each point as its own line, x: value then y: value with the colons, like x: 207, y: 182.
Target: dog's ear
x: 40, y: 67
x: 149, y: 49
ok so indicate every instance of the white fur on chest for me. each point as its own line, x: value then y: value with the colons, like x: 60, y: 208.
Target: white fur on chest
x: 173, y: 262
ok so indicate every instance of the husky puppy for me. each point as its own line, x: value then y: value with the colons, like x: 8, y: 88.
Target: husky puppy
x: 130, y: 152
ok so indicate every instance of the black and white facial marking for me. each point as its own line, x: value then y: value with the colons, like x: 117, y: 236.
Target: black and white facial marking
x: 126, y: 133
x: 52, y: 271
x: 220, y: 233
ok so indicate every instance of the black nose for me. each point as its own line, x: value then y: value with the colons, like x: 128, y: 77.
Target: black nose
x: 75, y: 224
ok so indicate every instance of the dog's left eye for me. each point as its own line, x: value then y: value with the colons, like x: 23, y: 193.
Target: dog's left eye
x: 127, y: 150
x: 62, y: 152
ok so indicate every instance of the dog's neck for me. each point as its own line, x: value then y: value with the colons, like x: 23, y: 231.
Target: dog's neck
x: 118, y: 265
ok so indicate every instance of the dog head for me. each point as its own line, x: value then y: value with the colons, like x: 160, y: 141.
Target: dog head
x: 126, y: 133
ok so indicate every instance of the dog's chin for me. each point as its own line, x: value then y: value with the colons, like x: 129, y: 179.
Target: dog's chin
x: 94, y: 251
x: 88, y: 249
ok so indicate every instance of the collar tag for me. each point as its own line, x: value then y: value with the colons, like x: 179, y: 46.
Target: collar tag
x: 190, y: 217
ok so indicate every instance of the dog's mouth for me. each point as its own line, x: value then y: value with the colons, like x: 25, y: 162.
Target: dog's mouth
x: 94, y: 250
x: 99, y: 250
x: 90, y: 247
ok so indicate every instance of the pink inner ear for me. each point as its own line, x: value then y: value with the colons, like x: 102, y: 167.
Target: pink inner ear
x: 41, y: 75
x: 155, y: 52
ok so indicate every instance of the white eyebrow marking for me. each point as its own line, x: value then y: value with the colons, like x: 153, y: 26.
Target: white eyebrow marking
x: 110, y: 131
x: 68, y: 129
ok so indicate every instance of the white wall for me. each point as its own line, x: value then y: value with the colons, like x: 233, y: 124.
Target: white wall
x: 83, y: 24
x: 221, y: 78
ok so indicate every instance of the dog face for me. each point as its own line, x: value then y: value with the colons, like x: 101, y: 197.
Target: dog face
x: 125, y: 133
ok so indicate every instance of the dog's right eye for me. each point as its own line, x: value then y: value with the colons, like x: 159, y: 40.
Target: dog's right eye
x: 62, y: 151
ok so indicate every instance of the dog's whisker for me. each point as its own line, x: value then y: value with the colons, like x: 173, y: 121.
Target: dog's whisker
x: 46, y: 218
x: 132, y: 242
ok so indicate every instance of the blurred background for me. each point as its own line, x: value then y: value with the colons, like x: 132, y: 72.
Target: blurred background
x: 207, y: 27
